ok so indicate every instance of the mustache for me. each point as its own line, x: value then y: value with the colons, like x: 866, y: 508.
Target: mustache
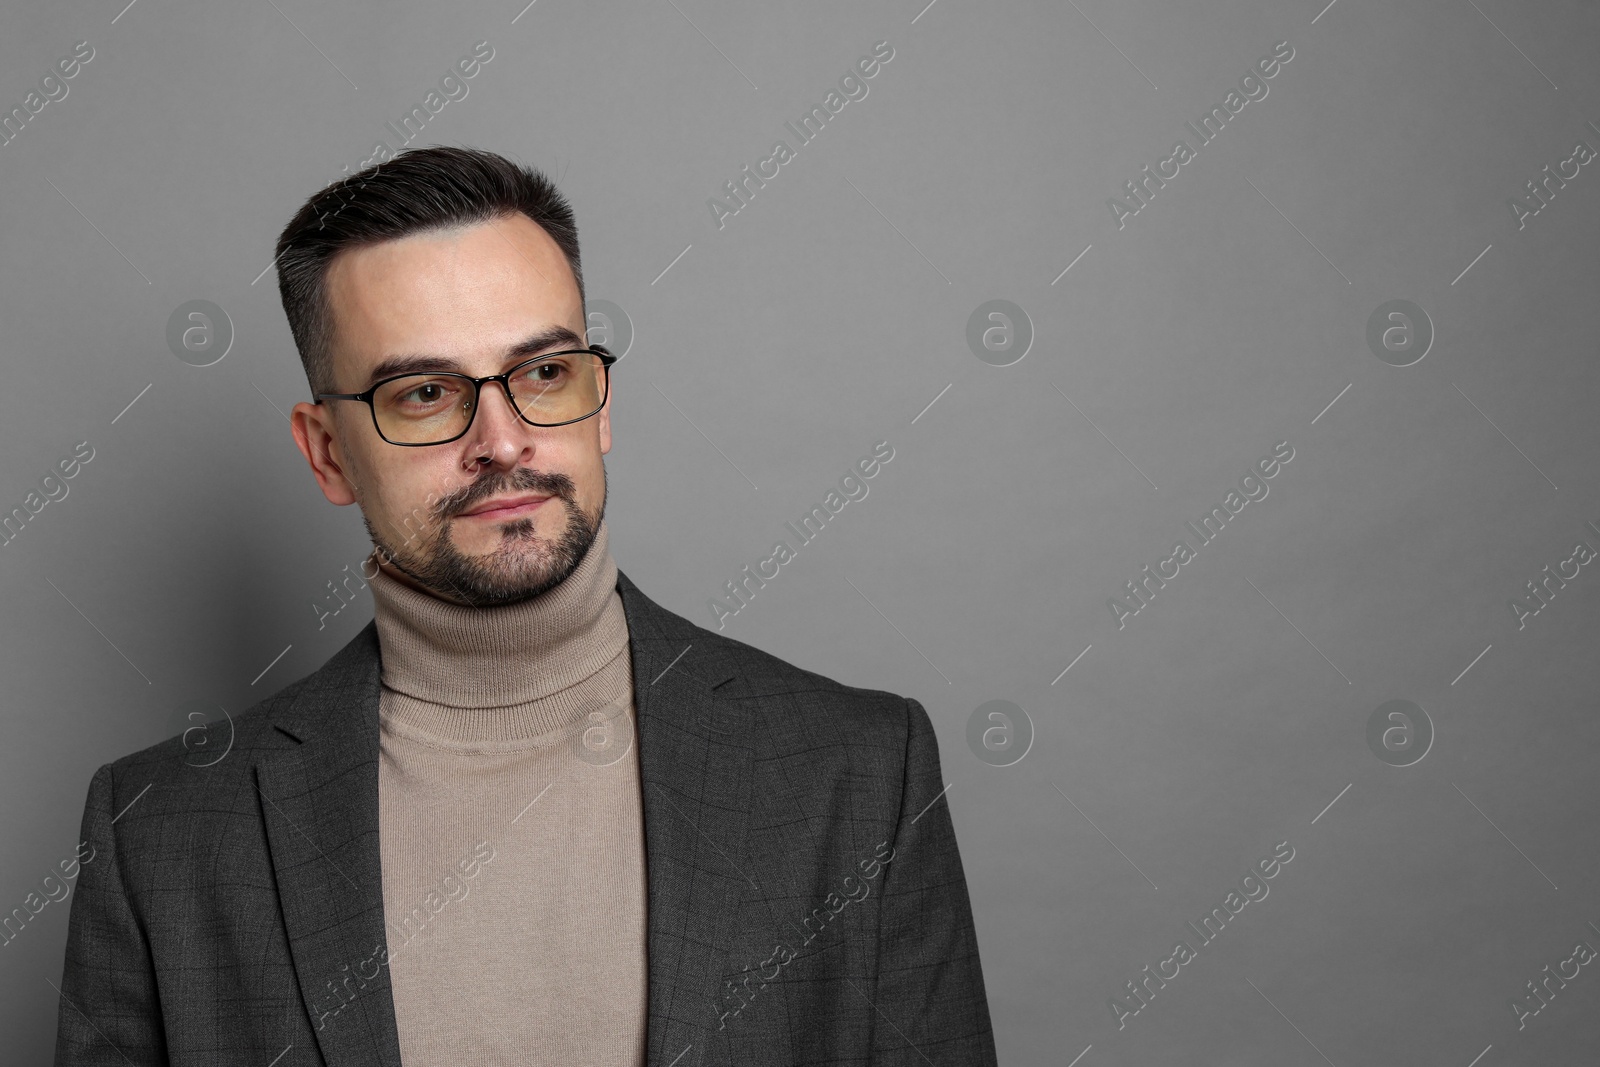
x: 523, y: 479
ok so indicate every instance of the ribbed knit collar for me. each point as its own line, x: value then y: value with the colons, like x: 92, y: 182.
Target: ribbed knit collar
x: 453, y: 660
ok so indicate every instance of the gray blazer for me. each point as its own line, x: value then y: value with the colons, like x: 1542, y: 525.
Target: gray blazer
x: 806, y: 902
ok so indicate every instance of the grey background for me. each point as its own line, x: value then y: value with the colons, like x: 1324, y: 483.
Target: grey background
x: 1230, y: 314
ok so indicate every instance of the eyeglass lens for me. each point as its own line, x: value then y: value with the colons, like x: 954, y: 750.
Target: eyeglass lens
x: 434, y: 407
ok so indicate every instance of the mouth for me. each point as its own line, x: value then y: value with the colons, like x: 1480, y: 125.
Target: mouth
x: 505, y: 507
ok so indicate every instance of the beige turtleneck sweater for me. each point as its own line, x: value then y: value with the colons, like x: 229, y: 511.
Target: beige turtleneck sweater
x: 511, y: 828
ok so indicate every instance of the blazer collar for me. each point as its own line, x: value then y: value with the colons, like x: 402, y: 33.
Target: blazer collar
x: 320, y: 806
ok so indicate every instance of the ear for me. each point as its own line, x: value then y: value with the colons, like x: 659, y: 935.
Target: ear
x: 603, y: 421
x: 312, y: 426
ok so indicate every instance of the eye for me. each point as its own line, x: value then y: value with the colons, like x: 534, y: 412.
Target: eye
x: 546, y: 371
x: 426, y: 393
x: 419, y: 394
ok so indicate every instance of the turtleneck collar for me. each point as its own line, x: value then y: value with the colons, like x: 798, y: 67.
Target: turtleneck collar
x: 462, y: 657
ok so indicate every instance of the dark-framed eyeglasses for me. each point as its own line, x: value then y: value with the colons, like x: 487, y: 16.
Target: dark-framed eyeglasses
x: 437, y: 407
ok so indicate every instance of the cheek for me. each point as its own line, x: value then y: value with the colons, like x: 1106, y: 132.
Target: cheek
x: 400, y: 497
x: 582, y: 456
x: 591, y: 481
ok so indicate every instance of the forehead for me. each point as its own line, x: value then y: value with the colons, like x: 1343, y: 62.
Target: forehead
x: 466, y: 293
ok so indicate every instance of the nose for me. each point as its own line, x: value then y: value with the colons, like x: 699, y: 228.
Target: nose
x: 498, y: 432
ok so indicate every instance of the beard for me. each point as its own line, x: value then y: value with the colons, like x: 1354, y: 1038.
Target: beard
x: 520, y: 567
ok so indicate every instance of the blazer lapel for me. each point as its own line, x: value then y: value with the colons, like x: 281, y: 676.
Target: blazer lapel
x: 695, y: 775
x: 319, y: 801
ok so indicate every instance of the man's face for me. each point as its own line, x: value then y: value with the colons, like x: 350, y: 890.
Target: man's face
x: 466, y: 296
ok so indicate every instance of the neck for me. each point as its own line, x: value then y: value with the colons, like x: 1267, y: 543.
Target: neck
x: 457, y: 655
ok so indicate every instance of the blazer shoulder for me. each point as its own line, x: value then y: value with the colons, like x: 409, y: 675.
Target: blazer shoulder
x: 746, y: 675
x: 209, y: 753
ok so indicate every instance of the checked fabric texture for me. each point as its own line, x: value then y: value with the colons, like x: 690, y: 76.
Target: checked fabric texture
x: 806, y: 901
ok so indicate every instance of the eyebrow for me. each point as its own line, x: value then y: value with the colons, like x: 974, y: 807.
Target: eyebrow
x: 422, y: 362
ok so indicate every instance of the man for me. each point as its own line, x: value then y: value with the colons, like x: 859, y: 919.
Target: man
x: 526, y: 815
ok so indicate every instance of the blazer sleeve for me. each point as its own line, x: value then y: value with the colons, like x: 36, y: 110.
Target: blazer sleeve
x: 109, y: 1012
x: 929, y: 996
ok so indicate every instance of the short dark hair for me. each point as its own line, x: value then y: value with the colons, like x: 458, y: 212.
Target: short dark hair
x: 419, y: 190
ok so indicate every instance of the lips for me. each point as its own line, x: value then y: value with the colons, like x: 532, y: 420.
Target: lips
x: 506, y: 505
